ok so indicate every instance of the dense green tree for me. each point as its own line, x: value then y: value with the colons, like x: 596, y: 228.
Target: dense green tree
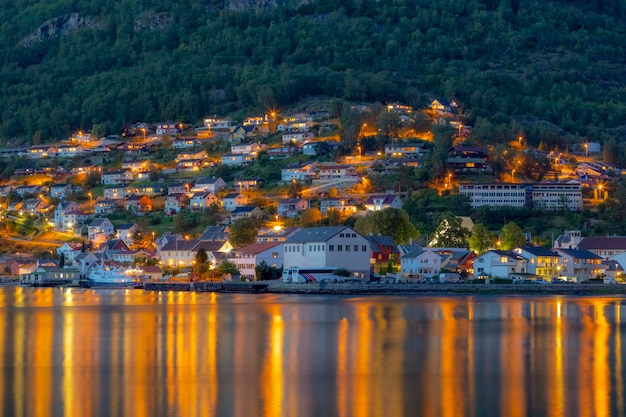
x: 243, y: 231
x: 201, y: 257
x: 480, y: 239
x: 310, y: 217
x: 450, y: 232
x: 511, y: 236
x: 388, y: 222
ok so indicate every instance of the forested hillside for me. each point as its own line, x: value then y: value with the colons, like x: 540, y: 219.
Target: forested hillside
x: 553, y: 69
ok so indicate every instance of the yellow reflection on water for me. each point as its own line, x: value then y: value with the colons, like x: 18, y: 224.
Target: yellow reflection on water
x: 556, y: 389
x: 342, y: 368
x: 600, y: 360
x: 272, y: 375
x: 363, y: 349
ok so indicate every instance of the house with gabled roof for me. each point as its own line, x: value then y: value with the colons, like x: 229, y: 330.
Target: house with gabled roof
x: 580, y: 265
x: 175, y: 202
x: 248, y: 183
x: 242, y: 132
x: 60, y: 190
x: 119, y: 177
x: 178, y: 253
x: 186, y: 143
x: 606, y: 247
x: 138, y: 203
x: 297, y: 172
x: 328, y: 173
x: 344, y: 206
x: 211, y: 233
x: 421, y: 263
x: 100, y: 229
x: 275, y: 234
x: 245, y: 211
x: 151, y: 189
x: 232, y: 159
x: 379, y: 202
x: 499, y: 264
x: 74, y: 218
x: 383, y: 249
x: 118, y: 192
x: 247, y: 258
x: 107, y: 206
x: 192, y: 155
x: 60, y: 210
x: 542, y: 262
x: 203, y: 200
x: 125, y: 232
x: 233, y: 200
x: 292, y: 207
x: 213, y: 184
x: 336, y: 247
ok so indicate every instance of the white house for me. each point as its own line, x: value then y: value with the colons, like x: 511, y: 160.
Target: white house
x: 421, y: 263
x: 329, y: 248
x: 60, y: 190
x: 541, y: 261
x: 580, y: 265
x: 100, y: 229
x: 118, y: 192
x: 247, y: 148
x: 499, y: 263
x: 203, y: 200
x: 234, y: 200
x: 208, y: 184
x: 122, y: 177
x: 125, y: 232
x: 236, y: 159
x: 296, y: 172
x: 292, y: 207
x: 297, y: 137
x: 60, y: 210
x: 382, y: 201
x: 329, y: 173
x: 251, y: 256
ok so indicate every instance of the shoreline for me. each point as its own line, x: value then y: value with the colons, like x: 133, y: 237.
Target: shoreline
x: 357, y: 289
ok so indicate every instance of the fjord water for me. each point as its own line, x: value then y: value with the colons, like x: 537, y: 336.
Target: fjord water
x: 71, y: 352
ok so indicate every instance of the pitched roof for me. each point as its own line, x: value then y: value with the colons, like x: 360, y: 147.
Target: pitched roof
x: 538, y: 251
x: 209, y: 245
x: 256, y: 248
x: 179, y: 244
x: 387, y: 198
x: 595, y: 243
x: 377, y: 242
x: 579, y: 254
x: 316, y: 234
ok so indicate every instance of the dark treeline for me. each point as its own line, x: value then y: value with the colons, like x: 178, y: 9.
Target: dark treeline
x: 552, y: 68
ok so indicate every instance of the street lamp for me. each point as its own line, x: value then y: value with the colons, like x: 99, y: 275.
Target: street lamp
x: 586, y: 150
x: 513, y: 175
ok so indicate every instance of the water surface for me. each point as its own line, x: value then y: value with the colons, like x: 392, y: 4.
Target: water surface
x: 74, y: 352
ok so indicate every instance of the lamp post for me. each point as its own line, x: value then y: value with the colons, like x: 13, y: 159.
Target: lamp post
x: 513, y: 175
x: 586, y: 150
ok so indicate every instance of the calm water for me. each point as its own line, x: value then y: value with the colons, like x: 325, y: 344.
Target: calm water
x: 133, y: 353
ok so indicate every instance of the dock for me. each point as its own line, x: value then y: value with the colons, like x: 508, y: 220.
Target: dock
x: 219, y: 287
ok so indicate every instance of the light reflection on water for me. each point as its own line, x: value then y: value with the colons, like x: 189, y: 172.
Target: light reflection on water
x: 69, y: 352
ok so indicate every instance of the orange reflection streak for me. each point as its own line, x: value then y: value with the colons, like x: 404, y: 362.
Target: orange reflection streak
x: 69, y: 397
x: 117, y: 408
x: 209, y: 395
x: 170, y: 348
x: 471, y: 360
x: 601, y: 371
x: 42, y: 331
x: 585, y: 401
x: 514, y: 396
x: 3, y: 338
x: 272, y: 376
x: 342, y: 367
x: 556, y: 389
x: 395, y: 332
x: 447, y: 388
x: 19, y: 348
x: 619, y: 365
x: 363, y: 339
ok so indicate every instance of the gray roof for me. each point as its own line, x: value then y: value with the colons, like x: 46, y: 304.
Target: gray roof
x: 579, y: 254
x: 538, y: 251
x: 316, y: 234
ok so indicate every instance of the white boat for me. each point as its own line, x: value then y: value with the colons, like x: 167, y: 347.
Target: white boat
x: 110, y: 276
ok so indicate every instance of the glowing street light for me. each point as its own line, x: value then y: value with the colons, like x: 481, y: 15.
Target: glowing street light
x: 513, y: 175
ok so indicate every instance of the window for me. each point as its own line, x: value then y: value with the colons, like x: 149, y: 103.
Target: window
x: 331, y: 248
x: 356, y: 248
x: 274, y: 254
x: 347, y: 248
x: 364, y: 248
x: 339, y: 248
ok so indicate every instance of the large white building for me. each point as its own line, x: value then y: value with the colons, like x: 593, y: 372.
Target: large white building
x: 329, y: 247
x: 544, y: 196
